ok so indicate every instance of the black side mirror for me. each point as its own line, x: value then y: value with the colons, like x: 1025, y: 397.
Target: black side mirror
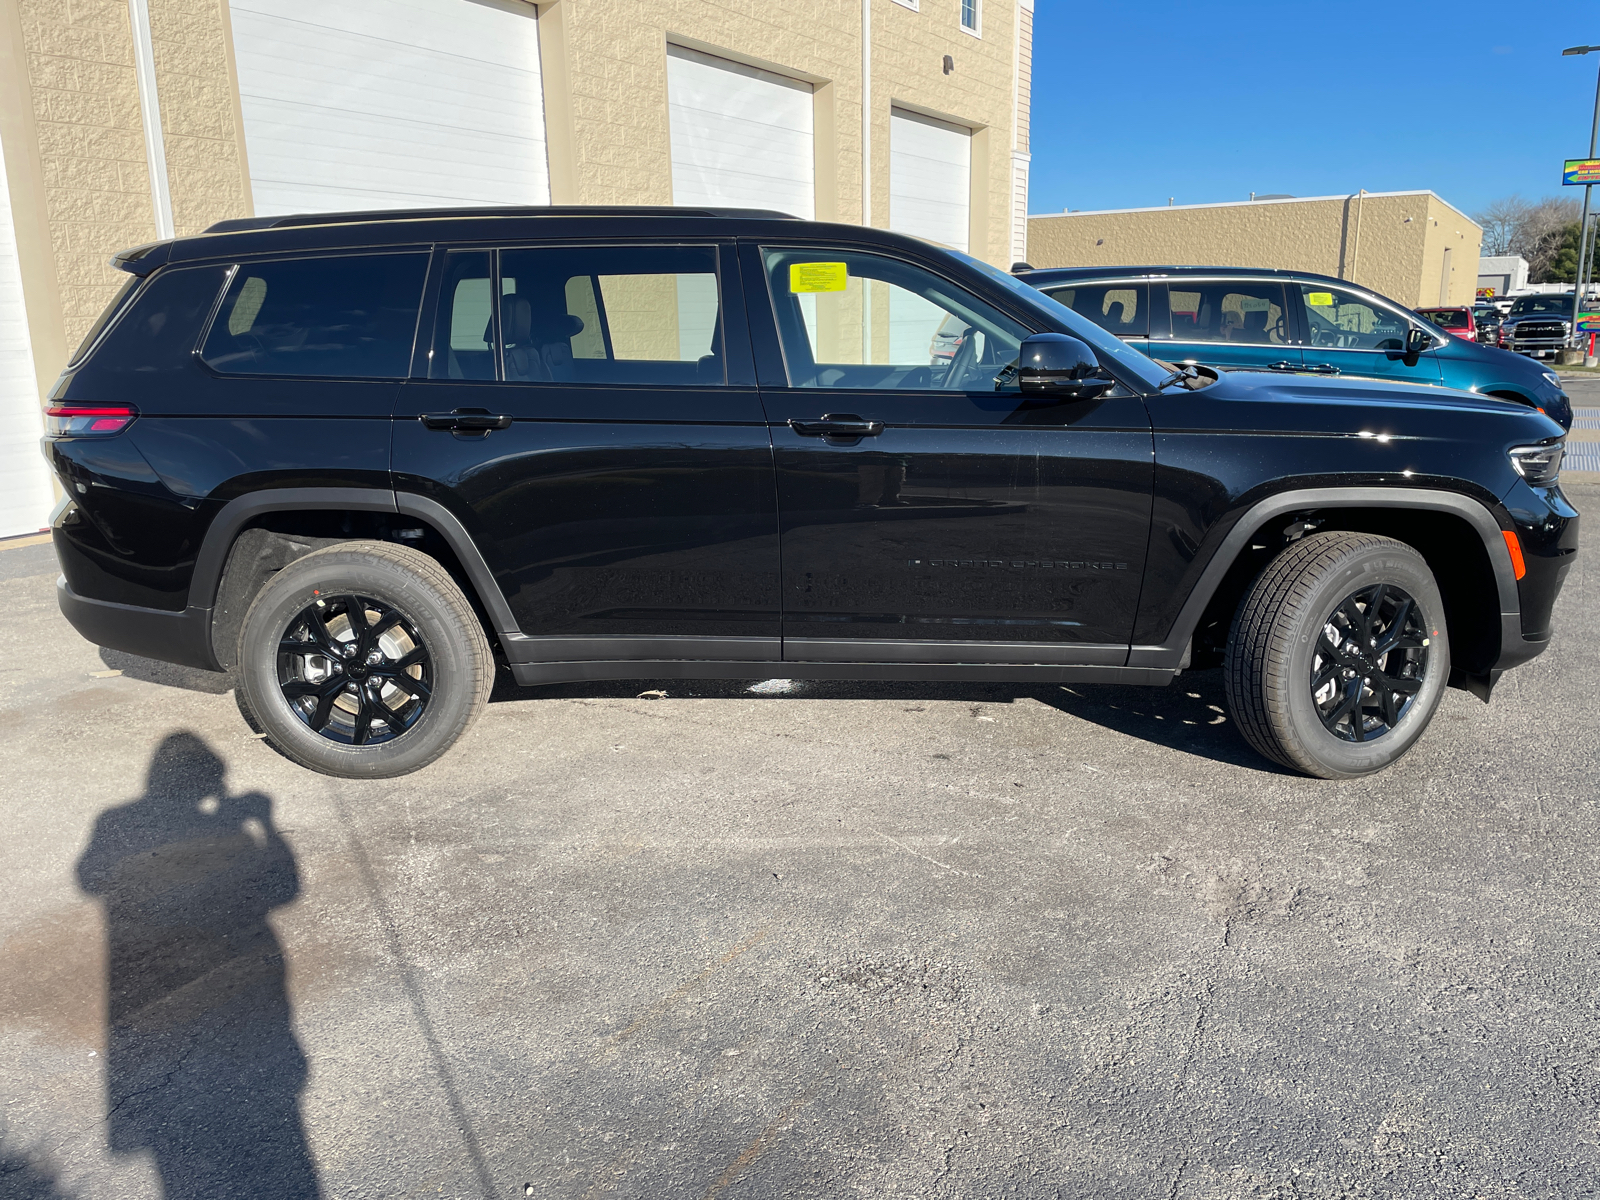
x: 1054, y: 364
x: 1417, y: 340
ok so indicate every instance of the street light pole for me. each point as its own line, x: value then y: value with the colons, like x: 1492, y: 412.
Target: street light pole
x: 1583, y: 224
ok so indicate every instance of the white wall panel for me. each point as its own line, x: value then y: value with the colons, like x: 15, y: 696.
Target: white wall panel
x: 361, y: 104
x: 741, y: 137
x: 25, y: 491
x: 930, y: 178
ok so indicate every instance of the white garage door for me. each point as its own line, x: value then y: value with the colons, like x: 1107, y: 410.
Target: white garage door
x: 25, y: 491
x: 930, y: 177
x: 390, y: 103
x: 741, y: 137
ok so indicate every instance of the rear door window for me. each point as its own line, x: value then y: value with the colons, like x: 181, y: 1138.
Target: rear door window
x: 1120, y: 308
x: 1231, y: 311
x: 648, y: 315
x: 339, y: 316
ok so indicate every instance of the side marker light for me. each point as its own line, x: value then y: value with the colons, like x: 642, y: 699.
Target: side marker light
x: 1518, y: 567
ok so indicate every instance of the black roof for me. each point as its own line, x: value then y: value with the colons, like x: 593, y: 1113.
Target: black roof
x: 421, y: 227
x: 241, y: 224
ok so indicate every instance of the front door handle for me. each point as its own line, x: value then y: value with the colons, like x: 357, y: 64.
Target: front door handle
x: 466, y: 420
x: 846, y: 425
x: 1321, y: 368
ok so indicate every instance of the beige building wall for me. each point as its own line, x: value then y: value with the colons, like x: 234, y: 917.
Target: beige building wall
x: 1391, y: 242
x: 81, y: 188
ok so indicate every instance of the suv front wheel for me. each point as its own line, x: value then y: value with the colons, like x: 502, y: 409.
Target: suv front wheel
x: 363, y: 660
x: 1339, y: 656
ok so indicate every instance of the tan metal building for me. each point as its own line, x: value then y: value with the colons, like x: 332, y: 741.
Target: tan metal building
x: 122, y: 121
x: 1409, y: 246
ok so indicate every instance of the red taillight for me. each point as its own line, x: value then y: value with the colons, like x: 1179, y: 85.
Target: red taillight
x: 65, y: 419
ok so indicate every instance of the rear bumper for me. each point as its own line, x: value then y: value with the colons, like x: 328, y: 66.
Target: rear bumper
x: 175, y: 637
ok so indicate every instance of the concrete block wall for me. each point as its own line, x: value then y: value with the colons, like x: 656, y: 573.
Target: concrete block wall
x: 85, y: 98
x: 200, y: 120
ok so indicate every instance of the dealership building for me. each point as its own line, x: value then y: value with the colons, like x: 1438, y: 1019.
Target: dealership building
x: 123, y: 121
x: 1409, y: 246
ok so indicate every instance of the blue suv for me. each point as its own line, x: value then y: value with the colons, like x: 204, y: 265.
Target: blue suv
x: 1237, y: 318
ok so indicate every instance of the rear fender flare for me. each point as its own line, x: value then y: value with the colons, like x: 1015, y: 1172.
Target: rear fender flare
x: 239, y: 512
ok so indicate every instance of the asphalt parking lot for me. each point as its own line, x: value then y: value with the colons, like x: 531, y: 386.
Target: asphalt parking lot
x: 929, y: 940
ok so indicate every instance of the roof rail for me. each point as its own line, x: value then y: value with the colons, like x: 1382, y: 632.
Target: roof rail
x: 241, y: 224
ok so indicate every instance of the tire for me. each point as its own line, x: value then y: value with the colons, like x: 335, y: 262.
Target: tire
x: 363, y: 660
x: 1330, y: 583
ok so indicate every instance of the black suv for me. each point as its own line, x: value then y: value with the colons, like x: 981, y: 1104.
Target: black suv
x: 361, y: 460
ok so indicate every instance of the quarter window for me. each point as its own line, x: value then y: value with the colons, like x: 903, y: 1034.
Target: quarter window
x: 1342, y: 320
x: 853, y: 320
x: 1118, y: 308
x: 348, y: 316
x: 1250, y: 314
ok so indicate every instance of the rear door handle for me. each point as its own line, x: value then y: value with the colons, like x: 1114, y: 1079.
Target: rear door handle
x: 837, y: 425
x: 1283, y: 364
x: 466, y: 420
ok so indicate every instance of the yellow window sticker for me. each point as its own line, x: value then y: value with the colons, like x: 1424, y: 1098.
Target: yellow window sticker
x: 818, y: 277
x: 1320, y: 299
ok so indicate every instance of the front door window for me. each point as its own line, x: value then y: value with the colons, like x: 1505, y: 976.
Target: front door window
x: 854, y: 321
x: 1341, y: 320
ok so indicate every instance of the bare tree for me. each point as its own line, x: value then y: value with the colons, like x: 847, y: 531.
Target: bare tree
x: 1502, y: 221
x: 1534, y: 230
x: 1541, y: 236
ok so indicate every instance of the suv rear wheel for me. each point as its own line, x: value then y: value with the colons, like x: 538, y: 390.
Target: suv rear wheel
x: 1339, y: 655
x: 363, y: 660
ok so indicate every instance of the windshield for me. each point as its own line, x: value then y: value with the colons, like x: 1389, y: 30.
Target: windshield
x: 1139, y: 366
x: 1541, y: 304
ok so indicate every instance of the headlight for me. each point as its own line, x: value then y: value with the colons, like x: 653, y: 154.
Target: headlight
x: 1551, y: 378
x: 1539, y: 465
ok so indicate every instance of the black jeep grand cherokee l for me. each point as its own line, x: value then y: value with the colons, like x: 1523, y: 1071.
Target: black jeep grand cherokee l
x: 359, y: 459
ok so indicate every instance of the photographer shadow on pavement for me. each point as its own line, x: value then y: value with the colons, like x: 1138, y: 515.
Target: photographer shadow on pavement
x: 203, y: 1070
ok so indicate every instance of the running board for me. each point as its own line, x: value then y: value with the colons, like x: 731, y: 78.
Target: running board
x: 530, y: 674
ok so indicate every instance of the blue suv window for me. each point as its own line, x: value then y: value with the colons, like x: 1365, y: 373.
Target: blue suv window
x: 1239, y: 312
x: 341, y: 316
x: 1119, y: 308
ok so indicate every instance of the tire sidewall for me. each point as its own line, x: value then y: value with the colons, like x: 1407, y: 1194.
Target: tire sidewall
x: 1327, y: 754
x: 295, y: 589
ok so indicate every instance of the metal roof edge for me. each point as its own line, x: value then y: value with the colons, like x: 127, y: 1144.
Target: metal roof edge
x: 1104, y: 212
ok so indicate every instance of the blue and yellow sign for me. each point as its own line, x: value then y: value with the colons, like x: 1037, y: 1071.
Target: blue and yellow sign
x: 1580, y: 170
x: 1589, y: 323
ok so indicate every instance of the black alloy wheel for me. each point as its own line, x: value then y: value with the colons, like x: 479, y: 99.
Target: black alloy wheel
x: 1338, y: 654
x: 1370, y: 661
x: 355, y: 670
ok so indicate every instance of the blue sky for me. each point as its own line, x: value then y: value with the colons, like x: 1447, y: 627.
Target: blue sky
x: 1133, y: 103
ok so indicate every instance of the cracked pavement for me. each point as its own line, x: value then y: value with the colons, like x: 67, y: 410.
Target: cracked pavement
x: 937, y: 940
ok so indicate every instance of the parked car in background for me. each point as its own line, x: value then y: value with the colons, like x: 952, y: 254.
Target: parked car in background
x: 1537, y: 326
x: 361, y: 459
x: 1458, y: 322
x: 1488, y: 319
x: 1236, y: 318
